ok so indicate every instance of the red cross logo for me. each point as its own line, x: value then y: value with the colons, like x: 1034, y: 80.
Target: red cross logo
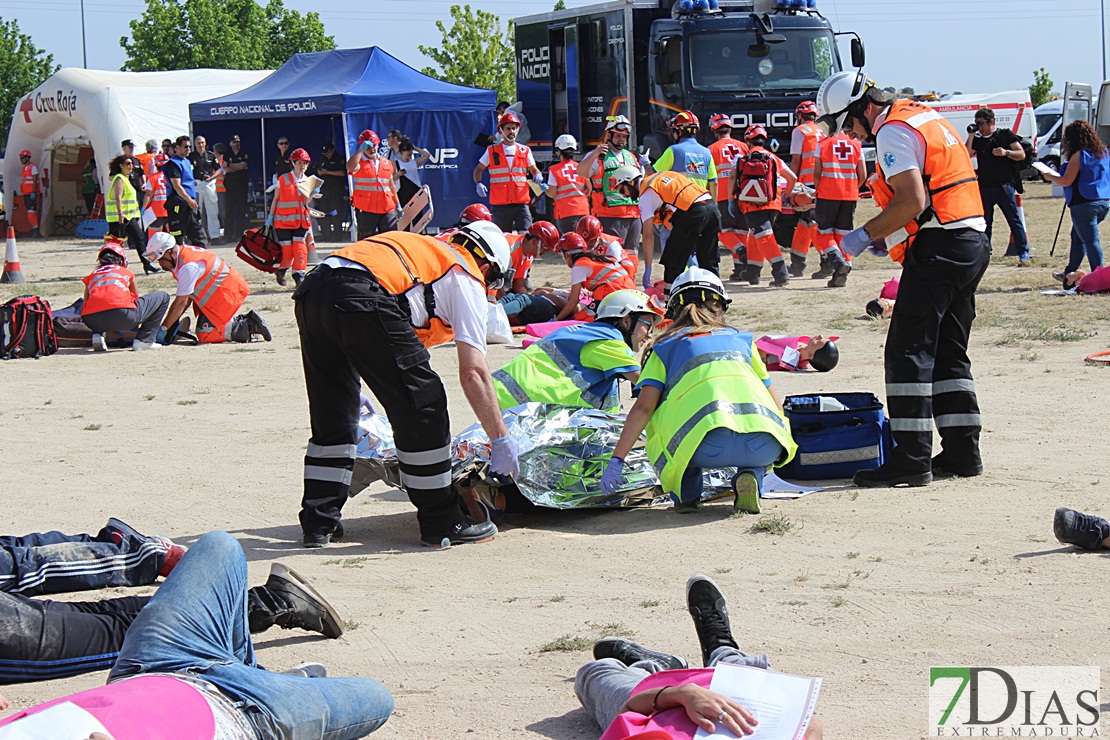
x: 731, y: 152
x: 842, y: 150
x: 26, y: 107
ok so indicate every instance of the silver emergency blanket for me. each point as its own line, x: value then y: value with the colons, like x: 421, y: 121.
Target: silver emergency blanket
x: 563, y: 452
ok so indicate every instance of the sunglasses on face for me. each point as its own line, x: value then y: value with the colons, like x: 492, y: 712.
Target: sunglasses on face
x: 283, y: 143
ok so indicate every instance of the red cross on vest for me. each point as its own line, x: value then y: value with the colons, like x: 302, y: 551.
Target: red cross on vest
x: 842, y: 150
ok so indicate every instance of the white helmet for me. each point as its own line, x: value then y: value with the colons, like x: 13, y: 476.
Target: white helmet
x: 695, y: 285
x: 621, y: 123
x: 158, y: 245
x: 487, y: 241
x: 566, y: 142
x: 837, y: 93
x: 626, y: 173
x: 621, y: 303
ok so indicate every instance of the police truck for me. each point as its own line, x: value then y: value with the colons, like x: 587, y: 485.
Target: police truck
x: 753, y: 60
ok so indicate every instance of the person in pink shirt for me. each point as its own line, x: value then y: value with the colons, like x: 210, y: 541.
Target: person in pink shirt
x: 798, y: 353
x: 634, y: 692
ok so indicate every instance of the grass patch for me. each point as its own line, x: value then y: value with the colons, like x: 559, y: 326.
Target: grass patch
x: 610, y: 629
x: 245, y: 349
x: 776, y: 524
x: 649, y: 603
x: 148, y: 397
x: 852, y: 555
x: 1030, y: 355
x: 876, y: 559
x: 351, y: 625
x: 838, y: 602
x: 795, y: 602
x: 187, y: 403
x: 511, y: 599
x: 722, y: 571
x: 47, y: 403
x: 354, y: 562
x: 567, y: 644
x: 92, y: 427
x: 557, y: 598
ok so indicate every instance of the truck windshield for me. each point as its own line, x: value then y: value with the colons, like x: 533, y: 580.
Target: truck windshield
x: 719, y: 61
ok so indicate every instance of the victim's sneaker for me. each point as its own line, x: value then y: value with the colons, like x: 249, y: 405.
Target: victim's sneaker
x: 309, y: 610
x: 1082, y: 530
x: 709, y: 611
x: 174, y: 553
x: 629, y: 652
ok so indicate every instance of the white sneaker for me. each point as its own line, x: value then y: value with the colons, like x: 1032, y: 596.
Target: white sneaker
x: 140, y: 346
x: 98, y: 343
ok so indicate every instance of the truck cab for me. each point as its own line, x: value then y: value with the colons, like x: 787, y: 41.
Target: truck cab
x: 753, y: 60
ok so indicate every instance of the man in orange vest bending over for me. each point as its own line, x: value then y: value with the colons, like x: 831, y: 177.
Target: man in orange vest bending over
x: 932, y: 212
x: 509, y: 165
x: 371, y: 310
x: 375, y: 194
x: 215, y: 290
x: 29, y: 188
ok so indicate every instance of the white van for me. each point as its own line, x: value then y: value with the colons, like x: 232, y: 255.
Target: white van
x: 1049, y: 115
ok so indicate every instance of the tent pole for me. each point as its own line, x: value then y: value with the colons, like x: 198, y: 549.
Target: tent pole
x: 265, y: 199
x: 350, y: 180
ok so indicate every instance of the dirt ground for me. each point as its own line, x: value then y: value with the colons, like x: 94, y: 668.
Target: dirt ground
x: 867, y: 589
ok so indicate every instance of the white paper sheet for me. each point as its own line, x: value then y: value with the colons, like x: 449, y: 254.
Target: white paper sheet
x: 783, y: 703
x: 1044, y: 168
x: 775, y: 487
x: 65, y: 721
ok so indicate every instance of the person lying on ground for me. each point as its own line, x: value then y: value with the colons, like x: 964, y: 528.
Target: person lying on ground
x: 1095, y: 281
x: 798, y: 353
x: 112, y: 302
x: 42, y: 640
x: 1085, y: 531
x: 598, y: 274
x: 580, y: 365
x: 521, y: 306
x: 706, y: 401
x: 883, y: 306
x: 632, y: 691
x: 187, y: 668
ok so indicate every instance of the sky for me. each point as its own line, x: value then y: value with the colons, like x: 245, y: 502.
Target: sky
x: 942, y: 45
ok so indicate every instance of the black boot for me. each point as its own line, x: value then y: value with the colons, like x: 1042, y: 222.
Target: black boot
x: 461, y: 533
x: 148, y: 268
x: 797, y: 265
x: 779, y: 275
x: 280, y: 276
x: 738, y: 273
x: 888, y: 476
x: 710, y: 614
x: 824, y: 271
x: 289, y: 601
x: 947, y: 467
x: 752, y: 273
x: 839, y: 278
x: 628, y: 652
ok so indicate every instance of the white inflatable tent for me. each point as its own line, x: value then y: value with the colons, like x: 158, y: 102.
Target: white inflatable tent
x: 79, y: 108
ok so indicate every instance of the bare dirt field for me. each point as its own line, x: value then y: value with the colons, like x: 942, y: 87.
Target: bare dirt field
x: 867, y: 589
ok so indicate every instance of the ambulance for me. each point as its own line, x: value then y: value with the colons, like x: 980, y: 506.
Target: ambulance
x: 1012, y: 110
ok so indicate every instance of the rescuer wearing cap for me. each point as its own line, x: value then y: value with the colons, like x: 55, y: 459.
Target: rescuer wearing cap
x: 371, y: 310
x: 804, y: 140
x: 571, y: 197
x: 725, y: 150
x: 290, y: 218
x: 29, y: 188
x: 932, y: 222
x: 618, y: 213
x: 686, y: 156
x: 112, y: 302
x: 509, y: 163
x: 375, y: 193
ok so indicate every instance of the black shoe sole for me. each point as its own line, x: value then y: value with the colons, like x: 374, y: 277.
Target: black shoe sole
x: 943, y: 472
x: 912, y: 480
x: 296, y: 580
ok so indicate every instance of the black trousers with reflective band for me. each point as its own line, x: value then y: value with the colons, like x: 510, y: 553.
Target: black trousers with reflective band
x: 928, y: 372
x: 352, y: 328
x: 693, y: 231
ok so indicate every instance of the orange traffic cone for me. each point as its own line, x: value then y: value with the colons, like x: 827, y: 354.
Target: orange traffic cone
x: 12, y: 273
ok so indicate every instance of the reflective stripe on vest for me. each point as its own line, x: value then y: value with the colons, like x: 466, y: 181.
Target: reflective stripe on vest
x: 608, y: 202
x: 220, y: 176
x: 591, y: 399
x: 220, y: 290
x: 27, y: 180
x: 372, y: 191
x: 725, y: 151
x: 736, y: 409
x: 703, y: 359
x: 508, y: 179
x: 109, y: 286
x: 570, y: 191
x: 210, y: 282
x: 128, y: 204
x: 840, y: 158
x: 291, y: 211
x: 813, y: 137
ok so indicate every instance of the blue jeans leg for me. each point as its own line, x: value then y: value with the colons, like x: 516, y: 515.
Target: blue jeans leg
x: 752, y: 452
x: 197, y: 623
x: 1085, y: 218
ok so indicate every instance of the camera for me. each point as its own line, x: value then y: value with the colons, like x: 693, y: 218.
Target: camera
x: 972, y: 127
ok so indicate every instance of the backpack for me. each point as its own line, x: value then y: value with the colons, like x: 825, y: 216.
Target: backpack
x: 260, y: 250
x: 1019, y: 167
x: 757, y: 178
x: 26, y: 328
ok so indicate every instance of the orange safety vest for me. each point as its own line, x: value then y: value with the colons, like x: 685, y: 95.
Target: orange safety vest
x: 109, y: 287
x: 291, y: 211
x: 401, y: 261
x: 372, y: 193
x: 570, y: 191
x: 813, y: 136
x: 147, y: 161
x: 628, y: 259
x: 220, y: 177
x: 220, y: 291
x: 725, y: 151
x: 606, y: 276
x: 675, y: 189
x: 508, y: 180
x: 158, y: 193
x: 948, y: 175
x: 27, y: 184
x: 840, y: 157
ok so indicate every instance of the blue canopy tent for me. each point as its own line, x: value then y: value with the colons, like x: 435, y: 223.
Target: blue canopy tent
x: 334, y: 95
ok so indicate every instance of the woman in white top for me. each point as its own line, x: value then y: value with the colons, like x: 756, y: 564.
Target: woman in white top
x: 407, y: 169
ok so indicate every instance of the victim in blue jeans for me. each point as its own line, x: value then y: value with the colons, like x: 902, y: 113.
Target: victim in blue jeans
x: 751, y: 452
x: 197, y: 624
x: 1085, y: 218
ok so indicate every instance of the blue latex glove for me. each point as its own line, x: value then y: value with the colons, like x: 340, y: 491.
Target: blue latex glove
x: 483, y: 191
x: 365, y: 404
x: 878, y: 248
x: 647, y: 277
x: 160, y: 337
x: 269, y: 220
x: 366, y: 146
x: 502, y: 458
x: 316, y: 194
x: 538, y: 177
x: 855, y: 242
x: 611, y: 478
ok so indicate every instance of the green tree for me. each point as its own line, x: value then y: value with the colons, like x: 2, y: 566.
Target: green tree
x: 906, y: 91
x: 23, y: 67
x: 475, y: 52
x: 1041, y: 89
x: 221, y: 34
x: 560, y: 5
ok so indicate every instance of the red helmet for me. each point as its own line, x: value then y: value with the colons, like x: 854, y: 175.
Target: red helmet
x: 686, y: 119
x: 719, y: 120
x: 589, y: 228
x: 475, y: 212
x: 806, y: 108
x: 509, y: 117
x: 570, y: 242
x: 546, y: 232
x: 753, y: 131
x: 116, y: 249
x: 370, y: 136
x: 25, y: 153
x: 299, y: 155
x: 160, y: 158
